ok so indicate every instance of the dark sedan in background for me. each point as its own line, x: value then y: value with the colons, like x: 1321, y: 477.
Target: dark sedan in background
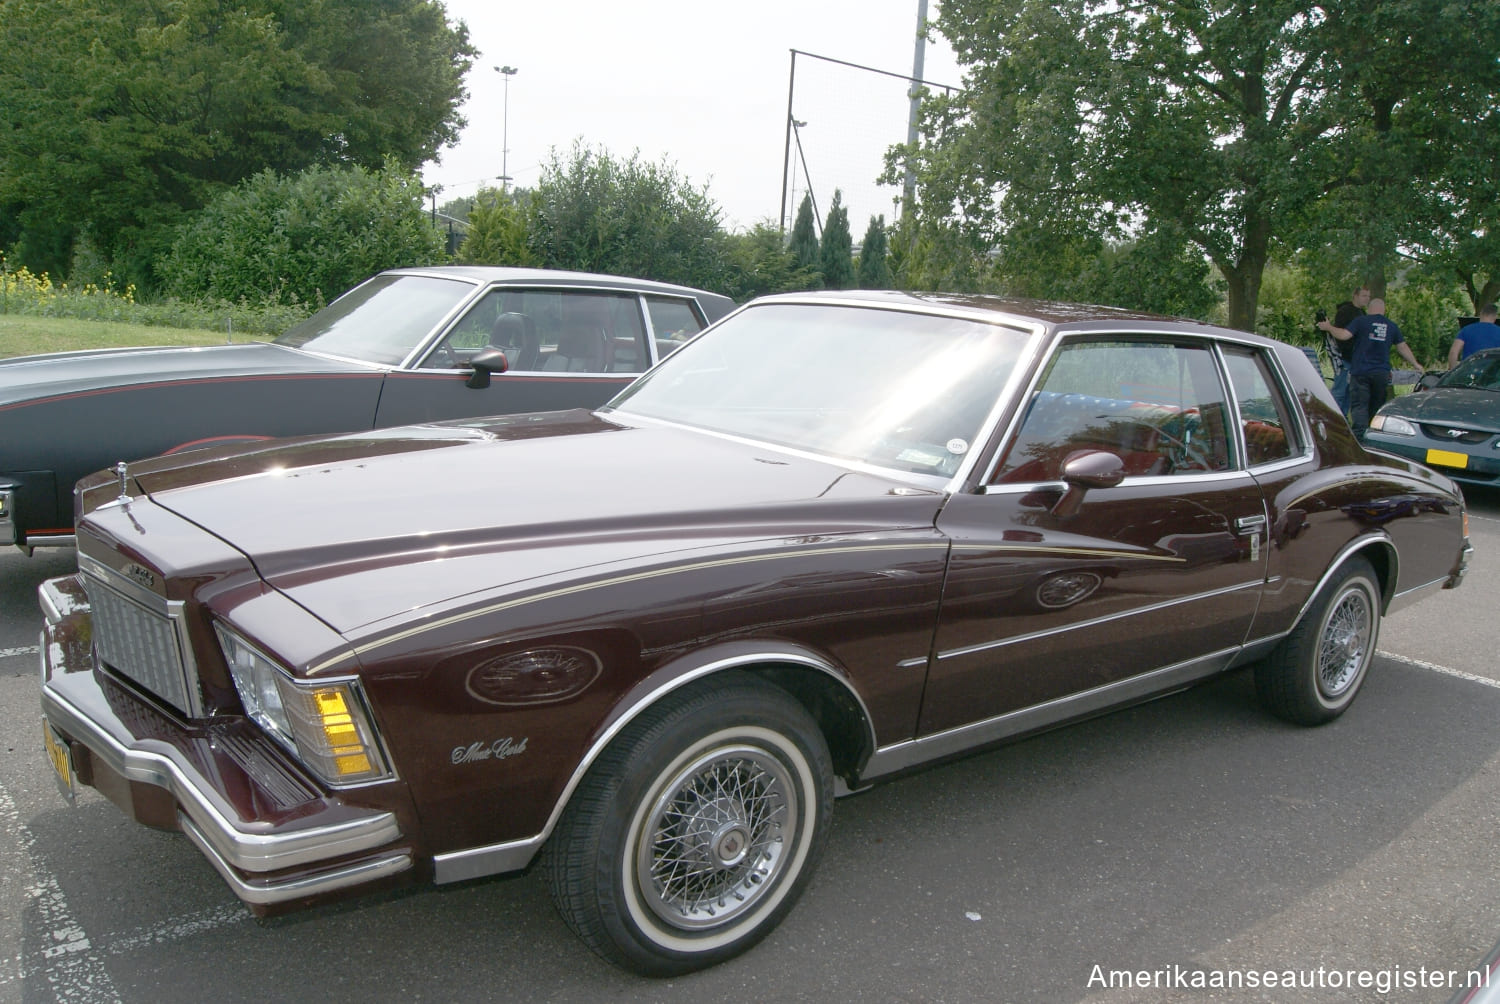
x: 1453, y: 426
x: 406, y: 346
x: 834, y: 538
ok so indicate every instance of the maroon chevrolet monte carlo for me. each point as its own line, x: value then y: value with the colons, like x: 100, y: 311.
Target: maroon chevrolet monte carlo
x: 835, y: 537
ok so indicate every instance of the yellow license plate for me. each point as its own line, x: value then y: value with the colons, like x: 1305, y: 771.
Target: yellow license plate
x: 1447, y: 458
x: 62, y: 761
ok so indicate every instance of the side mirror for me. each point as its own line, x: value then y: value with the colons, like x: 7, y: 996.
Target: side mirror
x: 1087, y: 469
x: 1427, y: 381
x: 486, y: 361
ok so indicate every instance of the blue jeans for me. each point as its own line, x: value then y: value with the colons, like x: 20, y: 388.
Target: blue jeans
x: 1341, y: 388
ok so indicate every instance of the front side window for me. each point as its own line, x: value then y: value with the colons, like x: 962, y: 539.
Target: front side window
x: 1158, y: 406
x: 1265, y: 417
x: 896, y: 389
x: 551, y: 330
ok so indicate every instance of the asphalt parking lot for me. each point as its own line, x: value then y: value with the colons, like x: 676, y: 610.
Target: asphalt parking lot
x: 1191, y: 835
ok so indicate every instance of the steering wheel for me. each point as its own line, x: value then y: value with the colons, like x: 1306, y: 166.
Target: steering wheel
x: 1185, y: 455
x: 442, y: 357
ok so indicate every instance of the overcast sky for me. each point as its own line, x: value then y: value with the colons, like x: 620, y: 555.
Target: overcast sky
x: 703, y: 84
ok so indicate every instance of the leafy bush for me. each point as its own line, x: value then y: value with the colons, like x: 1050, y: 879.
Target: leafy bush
x: 599, y: 214
x: 302, y: 239
x: 499, y: 226
x: 36, y: 295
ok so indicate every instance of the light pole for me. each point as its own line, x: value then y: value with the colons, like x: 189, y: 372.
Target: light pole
x: 507, y: 72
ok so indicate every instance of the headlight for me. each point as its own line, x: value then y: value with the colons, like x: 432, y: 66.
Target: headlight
x: 324, y: 723
x: 1393, y: 426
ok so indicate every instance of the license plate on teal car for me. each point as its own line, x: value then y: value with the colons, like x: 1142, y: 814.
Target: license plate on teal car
x: 1447, y: 458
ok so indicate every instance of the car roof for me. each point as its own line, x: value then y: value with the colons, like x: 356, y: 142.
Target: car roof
x: 556, y: 277
x: 1048, y: 314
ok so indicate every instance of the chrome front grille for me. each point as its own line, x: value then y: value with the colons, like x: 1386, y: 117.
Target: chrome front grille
x: 142, y: 640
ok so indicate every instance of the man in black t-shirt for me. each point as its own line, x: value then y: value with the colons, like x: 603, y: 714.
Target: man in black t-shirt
x: 1339, y: 352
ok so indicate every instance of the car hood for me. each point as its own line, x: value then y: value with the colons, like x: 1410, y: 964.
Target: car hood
x: 31, y: 378
x: 1457, y: 406
x: 373, y: 526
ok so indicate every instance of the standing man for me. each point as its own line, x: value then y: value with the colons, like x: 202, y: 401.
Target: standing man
x: 1339, y: 351
x: 1482, y: 334
x: 1373, y: 335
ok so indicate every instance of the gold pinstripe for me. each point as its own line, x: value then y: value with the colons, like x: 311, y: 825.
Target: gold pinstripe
x: 617, y: 580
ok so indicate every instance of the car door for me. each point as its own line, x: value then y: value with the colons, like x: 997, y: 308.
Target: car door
x: 1067, y: 596
x: 566, y: 347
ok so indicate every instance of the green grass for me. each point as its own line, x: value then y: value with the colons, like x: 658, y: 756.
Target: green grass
x: 24, y: 335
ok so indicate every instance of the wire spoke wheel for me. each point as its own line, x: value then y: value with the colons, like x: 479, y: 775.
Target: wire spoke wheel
x: 696, y: 830
x: 714, y: 840
x: 1317, y: 670
x: 1345, y: 644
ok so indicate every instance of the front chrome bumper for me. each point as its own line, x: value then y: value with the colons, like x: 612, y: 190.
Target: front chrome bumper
x: 298, y: 843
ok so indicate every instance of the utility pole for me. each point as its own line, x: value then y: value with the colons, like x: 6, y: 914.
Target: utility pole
x: 909, y: 190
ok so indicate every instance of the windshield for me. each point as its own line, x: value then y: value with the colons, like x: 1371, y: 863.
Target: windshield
x: 380, y: 321
x: 1478, y: 372
x: 900, y: 390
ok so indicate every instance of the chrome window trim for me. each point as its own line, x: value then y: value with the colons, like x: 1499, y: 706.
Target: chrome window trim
x: 446, y: 325
x: 1066, y: 336
x: 1281, y: 385
x: 513, y: 855
x: 694, y: 307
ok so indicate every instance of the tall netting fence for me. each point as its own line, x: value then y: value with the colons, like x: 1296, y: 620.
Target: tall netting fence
x: 843, y: 118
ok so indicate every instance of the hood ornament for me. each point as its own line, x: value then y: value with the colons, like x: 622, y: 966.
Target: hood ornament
x: 124, y: 497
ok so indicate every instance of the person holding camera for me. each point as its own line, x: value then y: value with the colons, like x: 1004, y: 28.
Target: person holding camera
x: 1373, y: 336
x: 1339, y: 351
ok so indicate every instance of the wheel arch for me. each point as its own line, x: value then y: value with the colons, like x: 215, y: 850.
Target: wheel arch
x: 1376, y: 548
x: 818, y: 684
x: 815, y: 682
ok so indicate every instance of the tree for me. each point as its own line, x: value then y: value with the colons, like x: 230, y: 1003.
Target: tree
x: 760, y: 262
x: 499, y: 230
x: 804, y: 243
x: 1413, y: 99
x: 595, y: 212
x: 836, y: 255
x: 305, y: 238
x: 874, y: 269
x: 1229, y: 124
x: 122, y: 118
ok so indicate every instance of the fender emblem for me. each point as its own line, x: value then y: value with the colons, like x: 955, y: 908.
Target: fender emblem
x: 140, y: 575
x: 500, y: 749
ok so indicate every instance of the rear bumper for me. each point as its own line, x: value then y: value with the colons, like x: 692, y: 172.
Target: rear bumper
x: 270, y: 831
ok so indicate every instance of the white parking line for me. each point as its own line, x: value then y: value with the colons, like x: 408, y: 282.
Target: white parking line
x: 174, y: 929
x: 67, y: 962
x: 31, y: 650
x: 1441, y: 669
